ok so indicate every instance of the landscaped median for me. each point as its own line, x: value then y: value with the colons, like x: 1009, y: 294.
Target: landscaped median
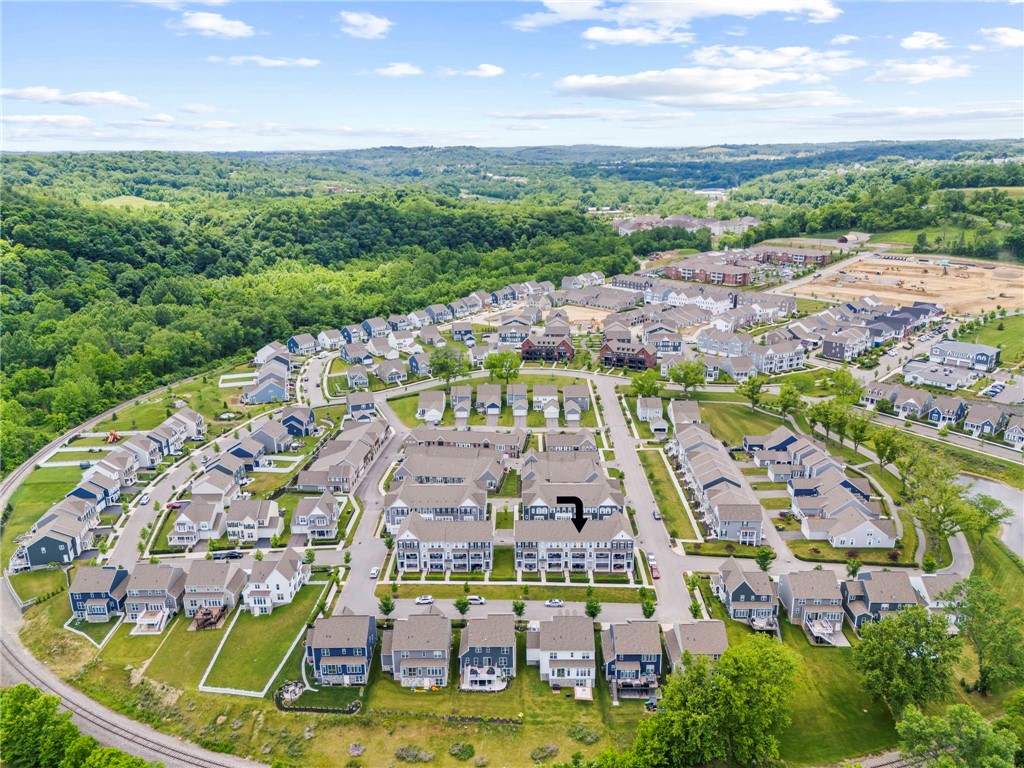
x: 670, y: 504
x: 534, y: 591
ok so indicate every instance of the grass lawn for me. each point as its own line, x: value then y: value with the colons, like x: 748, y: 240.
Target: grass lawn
x: 185, y: 655
x: 719, y: 548
x: 84, y: 455
x: 1010, y: 340
x: 670, y: 504
x: 806, y: 382
x: 810, y: 306
x: 504, y: 518
x: 736, y: 631
x: 909, y: 236
x: 538, y: 592
x: 38, y: 583
x: 804, y: 550
x: 730, y: 423
x: 775, y: 504
x: 257, y: 644
x: 97, y: 631
x: 768, y: 486
x: 828, y: 699
x: 504, y: 564
x: 993, y: 562
x: 509, y: 486
x: 159, y: 544
x: 40, y: 490
x: 643, y: 429
x: 754, y: 472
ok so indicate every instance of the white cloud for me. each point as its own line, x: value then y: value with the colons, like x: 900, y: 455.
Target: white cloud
x: 364, y: 25
x: 924, y: 41
x: 484, y: 70
x: 736, y: 31
x: 700, y: 86
x: 985, y: 111
x: 650, y: 21
x: 177, y: 5
x: 606, y: 115
x: 46, y: 95
x: 398, y: 69
x: 263, y: 61
x: 212, y: 25
x: 161, y: 118
x: 795, y: 58
x: 635, y: 36
x: 920, y: 70
x: 1006, y: 37
x: 843, y: 39
x: 198, y: 109
x: 61, y: 121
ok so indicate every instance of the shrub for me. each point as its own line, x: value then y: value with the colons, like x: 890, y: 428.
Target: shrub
x: 894, y: 555
x: 852, y: 554
x: 411, y: 754
x: 815, y: 551
x: 542, y: 753
x: 461, y: 751
x: 355, y: 749
x: 581, y: 733
x: 480, y: 762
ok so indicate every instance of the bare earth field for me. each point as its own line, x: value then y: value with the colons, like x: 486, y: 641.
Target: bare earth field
x: 972, y: 288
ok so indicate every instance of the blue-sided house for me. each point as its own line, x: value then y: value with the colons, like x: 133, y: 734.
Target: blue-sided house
x: 98, y: 592
x: 339, y: 648
x: 632, y: 657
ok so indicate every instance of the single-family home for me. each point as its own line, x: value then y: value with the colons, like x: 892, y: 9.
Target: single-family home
x: 1014, y: 433
x: 431, y: 405
x: 985, y: 419
x: 357, y: 377
x: 274, y: 582
x: 564, y: 649
x: 706, y: 637
x: 873, y: 595
x: 392, y: 371
x: 200, y: 519
x: 361, y: 405
x: 98, y: 592
x: 748, y: 595
x: 813, y: 601
x: 250, y: 520
x: 947, y: 410
x: 488, y: 399
x: 649, y: 408
x: 303, y: 344
x: 487, y: 653
x: 154, y: 596
x: 214, y: 586
x: 632, y: 656
x: 316, y: 517
x: 273, y: 436
x: 339, y: 648
x: 299, y: 420
x: 416, y: 652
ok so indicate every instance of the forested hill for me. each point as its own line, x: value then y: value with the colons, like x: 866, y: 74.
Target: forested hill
x: 102, y: 303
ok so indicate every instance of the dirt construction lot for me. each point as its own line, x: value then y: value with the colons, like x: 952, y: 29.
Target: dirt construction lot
x: 960, y: 287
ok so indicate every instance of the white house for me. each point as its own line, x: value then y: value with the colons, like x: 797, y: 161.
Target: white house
x: 274, y: 582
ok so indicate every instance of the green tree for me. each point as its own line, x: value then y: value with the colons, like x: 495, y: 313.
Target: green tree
x: 845, y: 385
x: 518, y: 608
x: 907, y: 659
x: 646, y: 384
x: 502, y: 365
x: 695, y: 611
x: 462, y: 605
x: 648, y: 607
x: 764, y: 556
x: 984, y: 515
x: 447, y: 364
x: 853, y: 567
x: 689, y: 374
x: 960, y: 738
x: 592, y: 607
x: 108, y: 757
x: 991, y: 627
x: 386, y: 606
x: 752, y: 389
x: 859, y: 428
x: 939, y: 505
x: 824, y: 414
x: 789, y: 400
x: 888, y: 442
x: 756, y: 685
x: 258, y: 555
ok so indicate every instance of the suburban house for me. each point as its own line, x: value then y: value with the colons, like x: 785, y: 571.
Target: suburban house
x: 299, y: 420
x: 515, y: 393
x: 356, y: 353
x: 303, y: 344
x: 59, y: 536
x: 458, y: 502
x: 933, y: 592
x: 985, y: 419
x: 438, y: 546
x: 249, y: 520
x: 487, y: 653
x: 462, y: 401
x: 354, y: 334
x: 155, y: 593
x: 947, y: 410
x: 488, y: 399
x: 913, y: 402
x: 706, y: 637
x: 376, y: 327
x: 602, y: 546
x: 1014, y: 433
x: 813, y: 601
x: 357, y: 377
x: 98, y: 592
x: 339, y: 648
x: 416, y: 652
x: 274, y: 582
x: 361, y: 405
x: 748, y: 596
x: 269, y: 351
x: 570, y: 441
x: 212, y: 588
x: 431, y: 406
x: 544, y: 395
x: 419, y: 364
x: 216, y: 487
x: 873, y: 595
x: 273, y: 436
x: 649, y: 409
x: 199, y: 520
x: 564, y: 649
x: 316, y: 517
x: 392, y: 371
x: 632, y: 658
x: 576, y: 393
x: 330, y: 339
x: 980, y: 357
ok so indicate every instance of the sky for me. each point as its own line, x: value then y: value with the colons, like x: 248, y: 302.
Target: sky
x: 216, y: 75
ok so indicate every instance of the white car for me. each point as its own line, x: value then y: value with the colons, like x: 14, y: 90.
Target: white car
x: 651, y: 560
x: 425, y: 600
x: 144, y: 499
x: 374, y: 573
x: 554, y: 602
x: 476, y: 600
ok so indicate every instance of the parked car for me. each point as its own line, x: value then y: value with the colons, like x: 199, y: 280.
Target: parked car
x: 374, y: 573
x: 476, y: 600
x: 144, y: 499
x: 554, y: 602
x: 204, y: 459
x: 655, y: 573
x: 425, y: 600
x: 220, y: 555
x: 234, y: 555
x: 657, y: 515
x: 174, y: 505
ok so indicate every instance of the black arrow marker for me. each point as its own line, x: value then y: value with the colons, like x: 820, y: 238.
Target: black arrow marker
x: 577, y: 519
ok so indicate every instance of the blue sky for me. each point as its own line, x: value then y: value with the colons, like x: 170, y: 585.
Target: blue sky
x: 171, y: 74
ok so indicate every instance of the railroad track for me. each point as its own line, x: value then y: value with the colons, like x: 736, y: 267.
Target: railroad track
x: 172, y: 756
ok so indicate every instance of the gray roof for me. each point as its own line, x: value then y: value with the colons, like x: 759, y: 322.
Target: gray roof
x: 427, y: 631
x: 813, y: 584
x: 257, y: 509
x: 567, y: 633
x: 888, y: 587
x: 347, y: 630
x: 95, y: 578
x: 701, y: 638
x: 151, y: 576
x: 564, y: 530
x: 447, y: 531
x: 759, y: 581
x: 496, y: 630
x: 634, y: 637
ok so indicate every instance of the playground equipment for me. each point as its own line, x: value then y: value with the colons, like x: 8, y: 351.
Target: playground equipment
x: 113, y: 436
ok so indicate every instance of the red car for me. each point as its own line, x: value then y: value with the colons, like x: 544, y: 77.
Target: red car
x: 655, y: 573
x: 174, y: 505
